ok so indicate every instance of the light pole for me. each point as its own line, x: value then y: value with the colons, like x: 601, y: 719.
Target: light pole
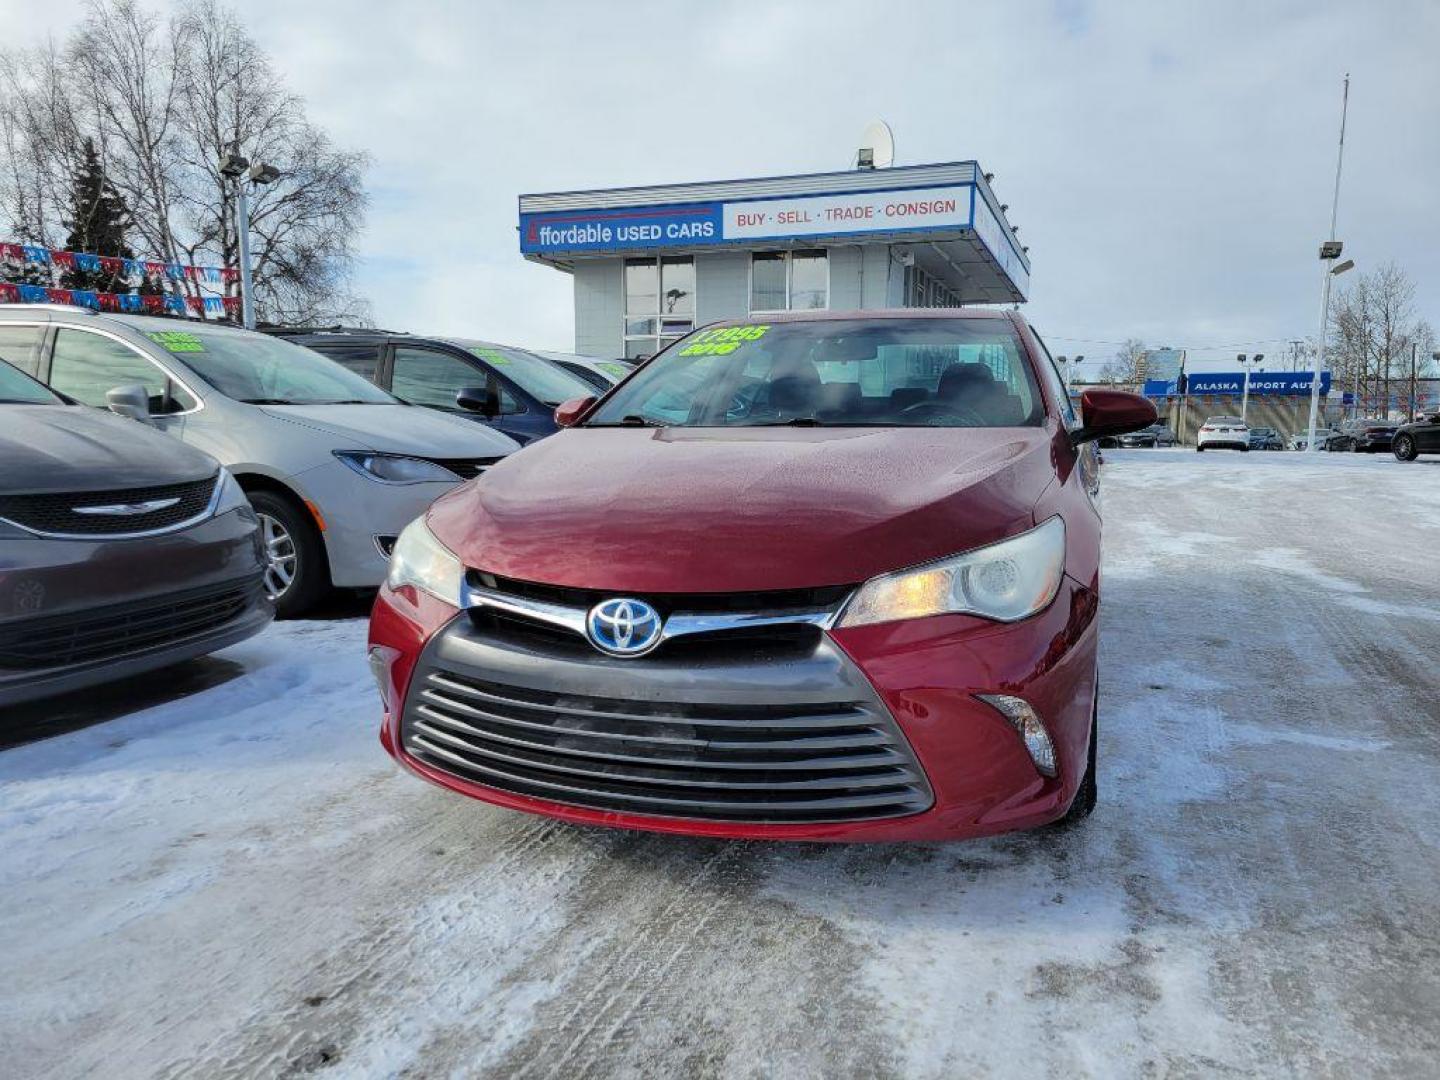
x: 1245, y: 366
x: 234, y: 167
x: 1244, y: 385
x: 1329, y: 252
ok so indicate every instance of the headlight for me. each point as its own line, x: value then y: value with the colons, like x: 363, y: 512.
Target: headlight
x: 394, y: 468
x: 230, y: 496
x: 1007, y: 581
x: 421, y: 560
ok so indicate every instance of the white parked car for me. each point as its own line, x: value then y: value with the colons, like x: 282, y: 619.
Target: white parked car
x: 1220, y: 432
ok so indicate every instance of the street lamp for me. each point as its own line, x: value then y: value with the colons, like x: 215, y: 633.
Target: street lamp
x: 233, y: 167
x: 1329, y: 252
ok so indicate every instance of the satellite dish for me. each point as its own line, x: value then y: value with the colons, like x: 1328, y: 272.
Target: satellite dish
x: 879, y: 140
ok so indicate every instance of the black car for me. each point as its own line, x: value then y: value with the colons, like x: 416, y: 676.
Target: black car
x: 1152, y: 436
x: 1416, y: 438
x: 512, y: 390
x: 1266, y: 438
x: 123, y: 550
x: 1362, y: 436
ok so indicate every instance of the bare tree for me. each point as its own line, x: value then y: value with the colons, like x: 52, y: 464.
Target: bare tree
x: 1127, y: 363
x: 1372, y: 325
x: 163, y: 99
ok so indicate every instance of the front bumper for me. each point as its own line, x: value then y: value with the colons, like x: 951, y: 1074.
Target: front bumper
x: 76, y: 613
x: 970, y: 773
x: 357, y: 511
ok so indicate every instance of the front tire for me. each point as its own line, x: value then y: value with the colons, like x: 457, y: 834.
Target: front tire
x: 296, y: 576
x: 1404, y: 448
x: 1088, y: 793
x: 1199, y: 448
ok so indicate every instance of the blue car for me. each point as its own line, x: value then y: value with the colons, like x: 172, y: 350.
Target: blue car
x: 514, y: 391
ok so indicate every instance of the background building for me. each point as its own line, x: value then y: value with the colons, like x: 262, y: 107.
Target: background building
x: 650, y: 263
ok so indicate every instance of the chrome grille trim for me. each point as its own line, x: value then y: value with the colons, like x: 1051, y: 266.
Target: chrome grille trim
x: 677, y: 625
x: 208, y: 511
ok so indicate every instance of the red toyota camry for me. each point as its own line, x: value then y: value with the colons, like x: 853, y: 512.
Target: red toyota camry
x: 824, y: 576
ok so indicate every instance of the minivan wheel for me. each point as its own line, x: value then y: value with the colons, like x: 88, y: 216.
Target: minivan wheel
x: 1088, y: 794
x: 1404, y: 448
x: 295, y: 577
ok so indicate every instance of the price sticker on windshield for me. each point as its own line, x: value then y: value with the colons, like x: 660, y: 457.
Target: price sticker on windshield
x: 177, y: 341
x: 491, y: 356
x: 723, y: 340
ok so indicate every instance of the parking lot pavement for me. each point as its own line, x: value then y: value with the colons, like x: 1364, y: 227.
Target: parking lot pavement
x: 237, y: 882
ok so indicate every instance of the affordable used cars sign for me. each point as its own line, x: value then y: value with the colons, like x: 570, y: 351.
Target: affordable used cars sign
x: 699, y: 224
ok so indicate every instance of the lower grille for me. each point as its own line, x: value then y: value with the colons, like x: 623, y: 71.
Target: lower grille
x: 465, y: 468
x: 66, y: 512
x: 813, y: 762
x: 122, y: 629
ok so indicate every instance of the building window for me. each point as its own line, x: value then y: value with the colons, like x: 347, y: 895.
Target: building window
x: 789, y: 281
x: 659, y: 303
x: 924, y: 290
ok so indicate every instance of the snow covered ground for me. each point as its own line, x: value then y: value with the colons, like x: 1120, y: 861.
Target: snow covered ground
x: 239, y: 883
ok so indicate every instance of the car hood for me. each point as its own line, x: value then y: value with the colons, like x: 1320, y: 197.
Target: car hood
x: 49, y: 448
x: 713, y: 510
x: 398, y: 429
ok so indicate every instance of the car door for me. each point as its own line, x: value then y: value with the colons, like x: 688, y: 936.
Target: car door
x: 1427, y: 435
x: 430, y: 377
x: 87, y: 363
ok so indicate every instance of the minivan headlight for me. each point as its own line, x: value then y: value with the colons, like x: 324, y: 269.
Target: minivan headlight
x: 1007, y: 581
x: 394, y: 468
x: 420, y: 560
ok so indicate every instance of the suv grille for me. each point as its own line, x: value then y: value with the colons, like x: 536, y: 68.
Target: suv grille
x: 465, y: 468
x: 59, y: 513
x: 122, y: 629
x: 833, y: 761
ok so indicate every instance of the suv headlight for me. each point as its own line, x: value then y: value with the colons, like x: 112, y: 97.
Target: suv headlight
x: 421, y: 560
x: 394, y: 468
x: 230, y: 496
x: 1008, y: 581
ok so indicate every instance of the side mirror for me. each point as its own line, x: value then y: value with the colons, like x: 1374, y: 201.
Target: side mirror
x: 131, y: 400
x: 1106, y: 413
x: 568, y: 413
x: 484, y: 400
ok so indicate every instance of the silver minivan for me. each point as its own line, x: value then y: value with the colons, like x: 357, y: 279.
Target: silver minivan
x: 334, y: 466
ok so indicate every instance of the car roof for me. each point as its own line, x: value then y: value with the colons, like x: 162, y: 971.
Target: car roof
x: 876, y: 314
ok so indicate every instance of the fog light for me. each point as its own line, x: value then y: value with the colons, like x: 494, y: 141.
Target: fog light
x: 380, y: 660
x: 1027, y: 723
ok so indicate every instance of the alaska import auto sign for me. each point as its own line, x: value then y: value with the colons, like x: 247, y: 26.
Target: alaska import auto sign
x: 705, y: 223
x: 1261, y: 382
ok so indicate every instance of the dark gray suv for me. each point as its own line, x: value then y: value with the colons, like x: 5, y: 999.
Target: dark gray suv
x: 121, y: 549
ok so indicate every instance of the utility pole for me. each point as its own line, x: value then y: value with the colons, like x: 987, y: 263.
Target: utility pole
x: 1414, y: 373
x: 1329, y: 252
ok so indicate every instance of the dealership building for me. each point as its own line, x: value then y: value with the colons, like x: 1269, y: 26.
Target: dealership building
x: 651, y: 263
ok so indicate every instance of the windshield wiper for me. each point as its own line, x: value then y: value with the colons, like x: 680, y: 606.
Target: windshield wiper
x: 265, y: 401
x: 794, y: 421
x: 631, y: 420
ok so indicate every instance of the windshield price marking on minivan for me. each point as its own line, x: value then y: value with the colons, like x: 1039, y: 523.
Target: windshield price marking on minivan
x: 177, y: 341
x: 723, y: 340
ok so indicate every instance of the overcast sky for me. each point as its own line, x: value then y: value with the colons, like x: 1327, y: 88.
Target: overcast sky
x: 1170, y: 166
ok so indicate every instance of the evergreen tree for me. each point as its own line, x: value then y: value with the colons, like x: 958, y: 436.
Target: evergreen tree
x: 98, y: 220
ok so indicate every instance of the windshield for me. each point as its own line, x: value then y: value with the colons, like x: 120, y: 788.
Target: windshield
x: 836, y: 372
x: 265, y: 370
x: 540, y: 378
x: 17, y: 388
